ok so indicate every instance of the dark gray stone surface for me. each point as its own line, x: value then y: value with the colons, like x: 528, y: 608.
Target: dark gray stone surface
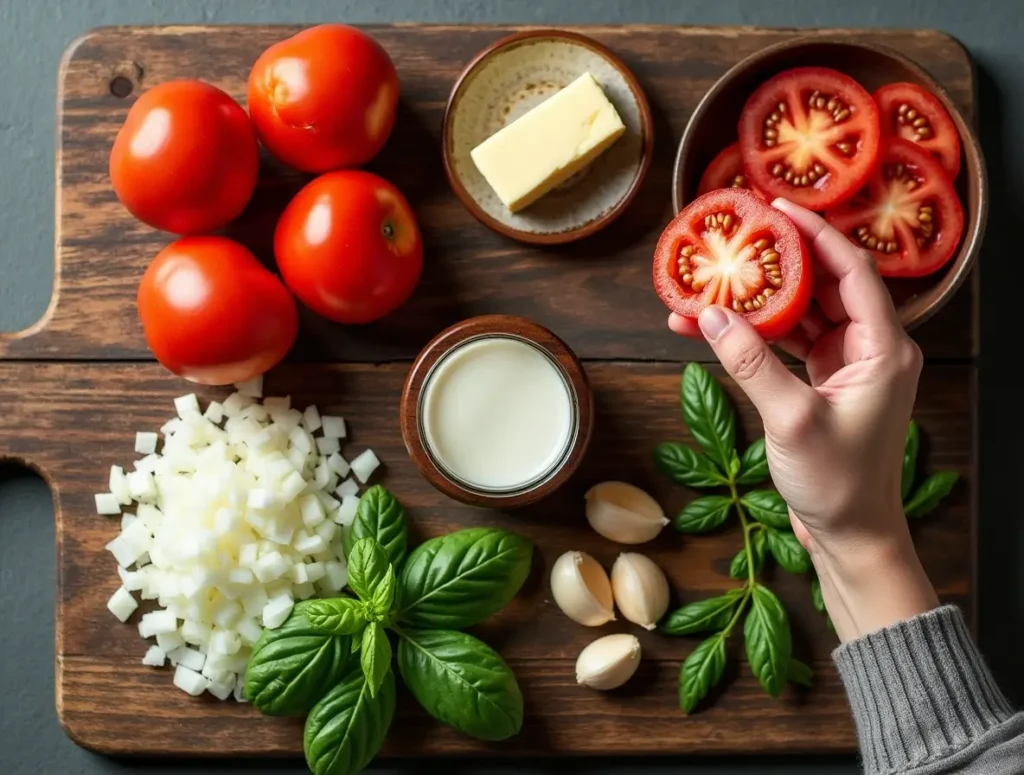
x: 33, y: 33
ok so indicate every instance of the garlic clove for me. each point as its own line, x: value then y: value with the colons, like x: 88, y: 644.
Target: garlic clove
x: 624, y: 513
x: 608, y: 662
x: 581, y: 589
x: 640, y: 589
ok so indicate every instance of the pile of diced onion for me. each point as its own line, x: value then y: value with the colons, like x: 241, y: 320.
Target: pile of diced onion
x: 239, y: 515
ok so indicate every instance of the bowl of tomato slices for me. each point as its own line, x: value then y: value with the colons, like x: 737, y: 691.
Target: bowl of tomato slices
x: 857, y: 132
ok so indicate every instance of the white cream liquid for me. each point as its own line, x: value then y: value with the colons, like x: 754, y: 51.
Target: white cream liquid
x: 497, y: 413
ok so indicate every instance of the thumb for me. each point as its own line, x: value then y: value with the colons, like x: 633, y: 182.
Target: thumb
x: 777, y: 393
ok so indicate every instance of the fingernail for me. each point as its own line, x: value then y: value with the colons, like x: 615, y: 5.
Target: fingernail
x: 713, y: 321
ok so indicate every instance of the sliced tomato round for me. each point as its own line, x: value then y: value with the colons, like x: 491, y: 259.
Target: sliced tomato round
x: 810, y: 135
x: 913, y: 113
x: 726, y: 171
x: 907, y: 214
x: 729, y: 247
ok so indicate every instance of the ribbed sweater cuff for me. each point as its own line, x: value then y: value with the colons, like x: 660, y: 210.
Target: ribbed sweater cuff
x: 919, y: 691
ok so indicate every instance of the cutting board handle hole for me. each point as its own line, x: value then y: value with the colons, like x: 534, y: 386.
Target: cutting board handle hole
x: 121, y: 87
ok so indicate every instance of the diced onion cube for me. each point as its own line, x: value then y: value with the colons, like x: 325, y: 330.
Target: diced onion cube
x: 156, y: 622
x: 334, y: 427
x: 107, y: 504
x: 336, y: 576
x: 346, y: 513
x: 214, y: 412
x: 277, y: 403
x: 314, y: 571
x: 327, y: 445
x: 326, y: 531
x: 292, y: 486
x: 196, y: 632
x: 329, y: 503
x: 225, y: 642
x: 252, y: 387
x: 310, y: 545
x: 169, y: 641
x: 186, y: 406
x: 305, y: 590
x: 338, y: 464
x: 364, y: 465
x: 299, y: 575
x: 221, y: 690
x: 142, y: 486
x: 122, y: 604
x: 190, y: 658
x: 145, y: 441
x: 276, y: 611
x: 312, y: 511
x: 123, y: 552
x: 118, y: 485
x: 155, y: 657
x: 348, y: 487
x: 250, y: 630
x: 126, y: 519
x: 270, y: 566
x: 311, y: 418
x: 189, y: 681
x: 247, y: 554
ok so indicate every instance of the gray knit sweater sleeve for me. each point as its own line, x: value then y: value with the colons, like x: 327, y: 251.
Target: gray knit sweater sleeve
x: 925, y: 703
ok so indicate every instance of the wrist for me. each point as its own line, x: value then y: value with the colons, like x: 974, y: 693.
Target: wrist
x: 872, y: 583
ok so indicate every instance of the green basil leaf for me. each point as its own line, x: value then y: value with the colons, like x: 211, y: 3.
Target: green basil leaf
x: 768, y: 640
x: 930, y: 493
x: 290, y: 666
x: 346, y: 729
x: 754, y: 464
x: 800, y: 673
x: 375, y: 657
x: 703, y: 514
x: 687, y: 466
x: 706, y: 615
x: 708, y: 414
x: 768, y: 508
x: 384, y: 594
x: 816, y: 596
x: 701, y: 671
x: 909, y: 459
x: 379, y: 516
x: 462, y: 682
x: 336, y: 616
x: 459, y: 579
x: 738, y: 567
x: 367, y: 567
x: 787, y: 551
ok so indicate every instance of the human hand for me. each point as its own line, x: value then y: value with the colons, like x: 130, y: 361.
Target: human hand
x: 835, y: 445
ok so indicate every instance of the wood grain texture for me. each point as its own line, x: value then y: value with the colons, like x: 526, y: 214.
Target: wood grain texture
x: 596, y: 294
x: 73, y: 420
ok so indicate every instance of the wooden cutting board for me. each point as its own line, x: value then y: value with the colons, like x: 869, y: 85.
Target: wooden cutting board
x: 76, y: 387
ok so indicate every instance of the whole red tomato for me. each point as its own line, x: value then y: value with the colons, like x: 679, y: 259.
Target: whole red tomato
x: 186, y: 159
x: 213, y: 314
x: 324, y: 98
x: 348, y: 246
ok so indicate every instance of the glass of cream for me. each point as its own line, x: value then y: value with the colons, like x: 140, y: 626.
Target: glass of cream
x: 497, y: 411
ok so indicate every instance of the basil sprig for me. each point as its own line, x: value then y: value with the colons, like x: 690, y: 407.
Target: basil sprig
x: 765, y: 525
x: 448, y: 582
x: 764, y: 522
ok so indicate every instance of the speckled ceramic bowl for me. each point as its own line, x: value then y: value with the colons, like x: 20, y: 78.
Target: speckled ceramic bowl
x: 509, y: 78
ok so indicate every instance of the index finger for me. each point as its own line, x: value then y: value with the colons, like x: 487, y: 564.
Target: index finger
x: 861, y: 289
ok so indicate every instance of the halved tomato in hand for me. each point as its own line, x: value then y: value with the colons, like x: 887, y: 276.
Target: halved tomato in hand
x: 186, y: 158
x: 730, y: 248
x: 907, y: 214
x: 213, y: 314
x: 726, y: 171
x: 324, y: 98
x: 810, y: 135
x: 913, y: 113
x: 348, y: 246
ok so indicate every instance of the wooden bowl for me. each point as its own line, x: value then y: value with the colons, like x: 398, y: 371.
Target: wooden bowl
x: 506, y: 80
x: 474, y: 329
x: 713, y: 126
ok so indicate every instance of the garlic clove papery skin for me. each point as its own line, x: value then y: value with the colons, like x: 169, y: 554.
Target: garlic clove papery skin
x: 581, y: 588
x: 624, y: 513
x: 608, y: 662
x: 640, y: 589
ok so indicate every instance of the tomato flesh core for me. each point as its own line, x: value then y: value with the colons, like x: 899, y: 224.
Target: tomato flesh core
x: 729, y: 248
x: 810, y: 135
x: 907, y: 214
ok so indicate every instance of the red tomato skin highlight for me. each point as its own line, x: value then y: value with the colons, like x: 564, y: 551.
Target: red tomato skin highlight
x: 334, y: 251
x: 186, y: 159
x: 324, y: 98
x: 789, y: 304
x: 213, y: 314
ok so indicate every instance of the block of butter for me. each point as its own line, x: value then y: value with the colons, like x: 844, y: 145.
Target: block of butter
x: 546, y: 146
